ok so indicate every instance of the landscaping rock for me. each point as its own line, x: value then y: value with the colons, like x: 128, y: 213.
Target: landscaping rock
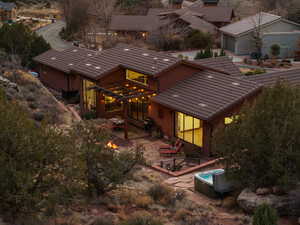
x: 286, y: 205
x: 263, y: 191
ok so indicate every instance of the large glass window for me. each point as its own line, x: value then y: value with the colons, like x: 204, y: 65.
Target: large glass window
x: 111, y: 104
x: 189, y: 129
x: 136, y: 77
x: 138, y: 108
x: 89, y: 95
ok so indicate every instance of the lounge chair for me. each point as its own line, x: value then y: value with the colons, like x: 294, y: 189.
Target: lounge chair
x: 170, y: 152
x: 170, y: 147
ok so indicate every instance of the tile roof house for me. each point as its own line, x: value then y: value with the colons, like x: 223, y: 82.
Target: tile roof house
x: 195, y: 17
x: 238, y: 37
x: 185, y: 99
x: 7, y: 11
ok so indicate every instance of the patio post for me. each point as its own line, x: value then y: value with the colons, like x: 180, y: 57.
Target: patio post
x: 125, y: 110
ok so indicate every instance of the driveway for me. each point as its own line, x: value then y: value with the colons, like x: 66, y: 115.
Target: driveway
x: 51, y: 35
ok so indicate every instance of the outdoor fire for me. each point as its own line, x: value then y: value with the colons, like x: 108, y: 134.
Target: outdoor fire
x: 111, y: 145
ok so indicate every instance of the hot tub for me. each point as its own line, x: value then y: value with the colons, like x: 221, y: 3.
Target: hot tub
x: 212, y: 183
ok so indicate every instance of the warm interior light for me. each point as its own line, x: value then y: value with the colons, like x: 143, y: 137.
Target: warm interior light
x: 112, y: 145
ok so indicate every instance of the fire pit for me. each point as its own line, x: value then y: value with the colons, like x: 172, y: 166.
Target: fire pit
x: 111, y: 145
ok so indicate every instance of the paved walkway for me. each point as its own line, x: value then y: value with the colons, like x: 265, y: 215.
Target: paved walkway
x: 51, y: 35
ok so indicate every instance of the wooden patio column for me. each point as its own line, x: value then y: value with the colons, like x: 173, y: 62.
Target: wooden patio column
x: 125, y: 115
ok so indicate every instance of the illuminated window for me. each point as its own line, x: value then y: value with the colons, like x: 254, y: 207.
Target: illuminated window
x: 136, y: 77
x: 189, y: 129
x: 89, y: 95
x: 111, y: 104
x: 229, y: 120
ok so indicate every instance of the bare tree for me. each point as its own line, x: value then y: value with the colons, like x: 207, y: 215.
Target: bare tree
x: 257, y: 35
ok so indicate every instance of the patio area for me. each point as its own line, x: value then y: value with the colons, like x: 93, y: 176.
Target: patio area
x: 172, y: 165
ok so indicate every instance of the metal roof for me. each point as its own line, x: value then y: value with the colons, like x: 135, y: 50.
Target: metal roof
x: 292, y: 77
x: 207, y: 94
x: 223, y: 63
x: 141, y: 60
x: 64, y: 60
x: 249, y: 23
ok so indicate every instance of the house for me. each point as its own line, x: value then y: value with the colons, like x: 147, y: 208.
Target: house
x: 195, y: 17
x: 175, y: 4
x: 8, y: 11
x: 187, y: 100
x: 238, y: 37
x: 54, y: 68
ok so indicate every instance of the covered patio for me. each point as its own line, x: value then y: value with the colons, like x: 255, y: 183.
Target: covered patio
x: 128, y: 101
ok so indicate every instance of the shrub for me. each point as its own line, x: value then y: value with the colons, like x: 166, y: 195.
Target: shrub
x: 33, y: 105
x: 275, y: 50
x: 143, y: 201
x: 260, y: 148
x: 181, y: 214
x: 38, y: 116
x: 199, y: 40
x: 30, y: 98
x: 89, y: 115
x: 102, y: 221
x: 142, y: 218
x: 161, y: 193
x: 265, y: 215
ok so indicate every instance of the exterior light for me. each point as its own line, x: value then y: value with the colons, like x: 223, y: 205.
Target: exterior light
x: 127, y: 85
x: 134, y: 87
x: 154, y: 94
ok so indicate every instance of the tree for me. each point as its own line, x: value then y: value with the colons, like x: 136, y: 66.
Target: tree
x: 17, y: 39
x: 31, y: 159
x: 257, y: 36
x: 261, y: 147
x: 265, y: 215
x: 199, y: 40
x: 104, y: 168
x: 275, y: 50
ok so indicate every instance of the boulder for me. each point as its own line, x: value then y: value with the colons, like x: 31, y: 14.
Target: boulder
x: 286, y: 205
x: 263, y: 191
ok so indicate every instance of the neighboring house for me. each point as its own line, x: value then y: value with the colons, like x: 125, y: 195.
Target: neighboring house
x: 54, y: 68
x: 175, y: 4
x: 186, y: 99
x: 8, y: 11
x: 288, y: 42
x: 238, y: 37
x: 195, y: 17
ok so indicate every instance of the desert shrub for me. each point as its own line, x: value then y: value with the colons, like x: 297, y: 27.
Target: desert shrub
x: 103, y: 221
x: 260, y: 148
x: 275, y: 50
x: 143, y: 201
x: 161, y: 193
x: 103, y: 169
x: 265, y: 215
x: 141, y: 218
x: 31, y: 179
x: 199, y: 40
x: 33, y: 105
x: 255, y: 72
x: 89, y: 115
x: 38, y: 116
x: 30, y: 98
x: 181, y: 214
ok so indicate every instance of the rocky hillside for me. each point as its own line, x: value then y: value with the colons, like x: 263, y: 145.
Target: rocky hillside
x: 29, y: 92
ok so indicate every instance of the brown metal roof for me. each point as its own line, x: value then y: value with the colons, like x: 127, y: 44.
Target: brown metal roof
x: 207, y: 94
x: 223, y: 64
x: 134, y: 23
x: 292, y: 77
x: 214, y: 13
x: 64, y: 60
x: 141, y: 60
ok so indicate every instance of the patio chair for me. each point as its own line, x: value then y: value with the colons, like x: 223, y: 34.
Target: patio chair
x: 170, y: 152
x: 170, y: 147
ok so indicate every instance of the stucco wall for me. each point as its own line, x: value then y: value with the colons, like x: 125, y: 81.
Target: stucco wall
x: 288, y: 41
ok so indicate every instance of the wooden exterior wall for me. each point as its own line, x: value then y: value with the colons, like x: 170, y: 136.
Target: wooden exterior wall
x: 58, y: 80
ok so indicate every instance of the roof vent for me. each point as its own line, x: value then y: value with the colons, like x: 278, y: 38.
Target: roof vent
x: 75, y: 50
x: 153, y: 67
x: 89, y: 54
x: 88, y: 64
x: 53, y: 58
x: 235, y: 83
x: 126, y: 49
x: 145, y: 54
x: 155, y: 58
x: 202, y: 104
x: 175, y: 96
x: 97, y: 67
x: 166, y: 60
x: 210, y: 77
x: 70, y: 64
